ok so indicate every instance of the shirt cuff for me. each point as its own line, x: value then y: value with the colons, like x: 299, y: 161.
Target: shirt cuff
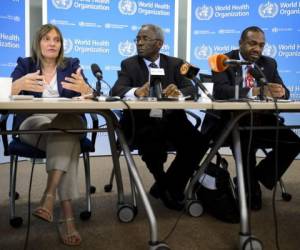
x: 130, y: 93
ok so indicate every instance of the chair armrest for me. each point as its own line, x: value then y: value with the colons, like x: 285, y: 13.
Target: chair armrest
x: 118, y: 113
x: 3, y: 121
x: 196, y: 117
x: 95, y: 123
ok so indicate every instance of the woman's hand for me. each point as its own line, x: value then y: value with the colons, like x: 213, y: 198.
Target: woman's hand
x: 30, y: 82
x: 77, y: 83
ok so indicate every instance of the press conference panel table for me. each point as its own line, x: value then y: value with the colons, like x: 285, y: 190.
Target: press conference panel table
x: 238, y: 109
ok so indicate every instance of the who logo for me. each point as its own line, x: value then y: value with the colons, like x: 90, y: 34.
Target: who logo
x: 127, y: 48
x: 204, y: 12
x: 127, y: 7
x: 62, y: 4
x: 268, y: 10
x: 270, y: 50
x: 68, y: 45
x: 202, y: 52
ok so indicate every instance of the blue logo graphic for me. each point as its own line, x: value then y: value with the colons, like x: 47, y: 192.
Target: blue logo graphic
x: 202, y: 52
x: 127, y: 7
x: 268, y: 10
x: 270, y: 50
x: 127, y: 48
x: 62, y: 4
x: 68, y: 45
x: 204, y: 12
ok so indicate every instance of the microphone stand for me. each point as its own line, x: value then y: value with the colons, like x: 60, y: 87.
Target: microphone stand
x: 200, y: 85
x: 237, y: 80
x: 98, y: 87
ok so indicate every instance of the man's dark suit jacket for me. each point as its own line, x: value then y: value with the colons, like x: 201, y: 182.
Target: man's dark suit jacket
x: 27, y: 65
x: 224, y: 89
x: 224, y: 82
x: 134, y: 74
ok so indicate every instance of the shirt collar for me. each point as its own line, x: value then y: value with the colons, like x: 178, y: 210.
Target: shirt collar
x: 157, y: 62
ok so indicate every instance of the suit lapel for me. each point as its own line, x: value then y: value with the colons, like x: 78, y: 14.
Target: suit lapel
x: 61, y: 74
x: 144, y: 73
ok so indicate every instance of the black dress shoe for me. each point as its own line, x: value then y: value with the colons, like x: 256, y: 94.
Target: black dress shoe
x: 166, y: 197
x: 154, y: 191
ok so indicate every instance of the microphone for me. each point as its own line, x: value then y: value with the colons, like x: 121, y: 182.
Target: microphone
x: 190, y: 71
x: 155, y: 82
x: 221, y: 62
x: 260, y: 77
x: 97, y: 72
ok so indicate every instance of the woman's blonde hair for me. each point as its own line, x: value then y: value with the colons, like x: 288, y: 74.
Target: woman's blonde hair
x: 36, y: 52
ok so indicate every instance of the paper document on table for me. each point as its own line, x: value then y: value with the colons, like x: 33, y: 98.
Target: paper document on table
x: 53, y: 99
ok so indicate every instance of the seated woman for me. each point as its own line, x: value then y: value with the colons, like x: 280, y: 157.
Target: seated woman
x: 47, y: 73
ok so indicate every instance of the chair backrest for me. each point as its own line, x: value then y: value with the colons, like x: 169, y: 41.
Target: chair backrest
x: 3, y: 120
x: 206, y: 81
x: 205, y: 78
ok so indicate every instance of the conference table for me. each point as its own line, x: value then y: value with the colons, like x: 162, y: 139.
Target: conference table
x: 105, y: 109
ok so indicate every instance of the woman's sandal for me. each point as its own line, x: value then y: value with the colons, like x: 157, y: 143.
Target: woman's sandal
x: 71, y: 238
x: 42, y: 212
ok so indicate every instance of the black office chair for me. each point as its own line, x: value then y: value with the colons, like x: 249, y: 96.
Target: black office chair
x: 16, y: 148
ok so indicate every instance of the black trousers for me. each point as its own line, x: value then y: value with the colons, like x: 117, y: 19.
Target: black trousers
x: 288, y: 148
x: 154, y: 137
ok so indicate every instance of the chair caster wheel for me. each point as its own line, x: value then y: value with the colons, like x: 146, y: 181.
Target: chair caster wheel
x: 92, y: 189
x: 252, y: 243
x: 127, y: 213
x: 85, y: 215
x: 107, y: 188
x: 159, y: 246
x: 16, y: 222
x: 17, y: 195
x: 194, y: 208
x: 286, y: 196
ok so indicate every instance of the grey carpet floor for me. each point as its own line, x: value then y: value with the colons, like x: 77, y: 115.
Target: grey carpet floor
x: 105, y: 231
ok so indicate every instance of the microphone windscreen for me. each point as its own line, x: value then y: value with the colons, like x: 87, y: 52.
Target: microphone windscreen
x: 188, y: 70
x: 217, y: 62
x: 95, y: 69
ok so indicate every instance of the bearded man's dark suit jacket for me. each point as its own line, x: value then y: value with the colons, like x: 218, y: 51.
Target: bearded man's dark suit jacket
x: 289, y: 144
x: 151, y: 134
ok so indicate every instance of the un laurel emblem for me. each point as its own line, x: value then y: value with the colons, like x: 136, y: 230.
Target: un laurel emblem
x: 126, y: 48
x: 202, y: 52
x: 68, y: 45
x: 204, y: 12
x: 62, y: 4
x: 268, y: 10
x: 270, y: 50
x: 127, y: 7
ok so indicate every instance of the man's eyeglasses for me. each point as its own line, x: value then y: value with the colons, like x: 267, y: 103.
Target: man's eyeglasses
x: 144, y: 39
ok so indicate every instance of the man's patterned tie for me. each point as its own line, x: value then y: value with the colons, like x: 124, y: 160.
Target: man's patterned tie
x: 249, y: 79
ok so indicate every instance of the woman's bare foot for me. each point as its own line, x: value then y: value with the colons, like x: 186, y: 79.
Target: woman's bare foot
x: 45, y: 210
x: 68, y: 233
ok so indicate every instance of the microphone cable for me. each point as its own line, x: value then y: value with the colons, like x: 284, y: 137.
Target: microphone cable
x: 29, y: 198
